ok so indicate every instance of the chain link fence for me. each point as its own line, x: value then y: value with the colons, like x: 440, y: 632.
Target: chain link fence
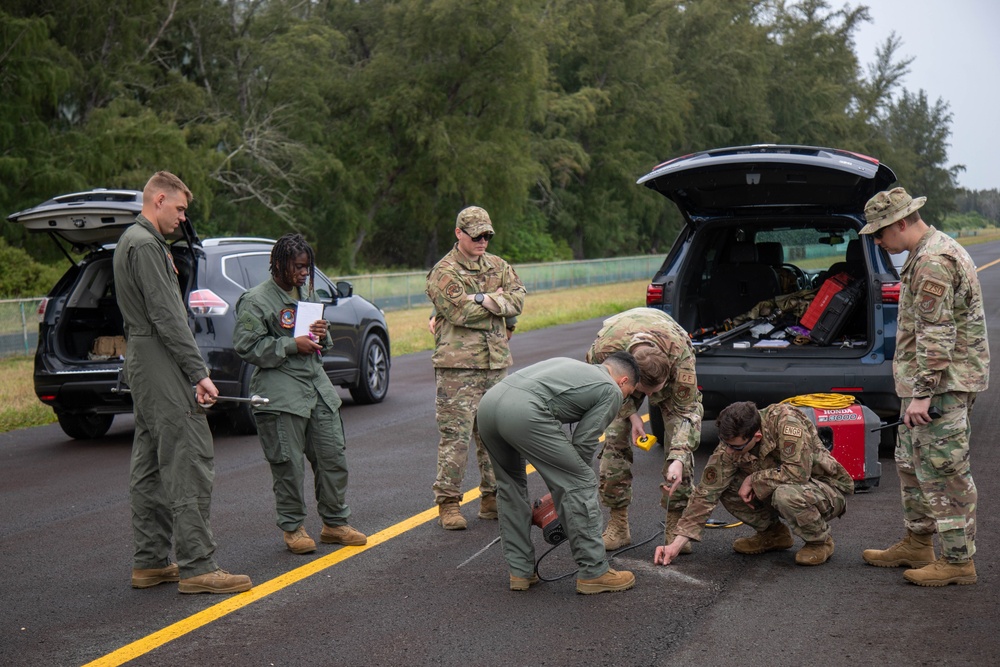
x: 18, y: 326
x: 388, y: 291
x: 399, y: 291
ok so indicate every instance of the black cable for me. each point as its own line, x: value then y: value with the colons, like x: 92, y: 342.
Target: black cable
x: 610, y: 556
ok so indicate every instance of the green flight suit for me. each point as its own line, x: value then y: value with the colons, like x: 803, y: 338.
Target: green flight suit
x: 302, y: 418
x: 521, y: 418
x: 172, y: 467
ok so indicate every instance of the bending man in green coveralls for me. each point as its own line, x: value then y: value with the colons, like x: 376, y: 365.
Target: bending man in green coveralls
x: 302, y: 419
x: 522, y: 418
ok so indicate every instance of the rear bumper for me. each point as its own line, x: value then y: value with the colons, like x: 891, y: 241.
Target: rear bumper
x: 725, y: 383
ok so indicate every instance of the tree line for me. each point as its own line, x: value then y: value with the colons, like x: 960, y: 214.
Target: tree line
x: 367, y: 124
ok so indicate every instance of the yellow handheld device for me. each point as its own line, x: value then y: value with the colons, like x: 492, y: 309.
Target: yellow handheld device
x: 645, y: 442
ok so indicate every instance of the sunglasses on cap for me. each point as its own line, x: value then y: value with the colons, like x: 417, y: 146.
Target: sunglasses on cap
x: 485, y: 236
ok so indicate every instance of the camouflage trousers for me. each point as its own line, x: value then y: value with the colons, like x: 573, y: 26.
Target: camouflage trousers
x: 616, y: 461
x: 935, y: 477
x: 806, y: 508
x: 458, y: 393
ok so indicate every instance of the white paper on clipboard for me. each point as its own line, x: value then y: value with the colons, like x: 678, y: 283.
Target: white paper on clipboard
x: 306, y: 313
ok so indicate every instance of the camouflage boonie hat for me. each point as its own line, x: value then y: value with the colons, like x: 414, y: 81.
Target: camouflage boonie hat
x: 474, y: 221
x: 887, y: 207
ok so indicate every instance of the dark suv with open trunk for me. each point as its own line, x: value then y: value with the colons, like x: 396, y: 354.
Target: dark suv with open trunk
x: 765, y: 221
x: 79, y: 351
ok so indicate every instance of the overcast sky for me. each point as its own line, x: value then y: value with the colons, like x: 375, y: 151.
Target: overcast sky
x: 956, y: 50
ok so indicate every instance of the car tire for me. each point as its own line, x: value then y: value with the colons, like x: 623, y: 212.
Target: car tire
x: 373, y: 374
x: 84, y: 426
x: 242, y: 421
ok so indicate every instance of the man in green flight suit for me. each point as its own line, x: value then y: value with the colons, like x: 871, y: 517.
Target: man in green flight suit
x: 172, y: 454
x: 302, y: 418
x: 522, y: 418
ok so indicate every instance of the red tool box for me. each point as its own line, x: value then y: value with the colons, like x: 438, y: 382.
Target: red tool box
x: 847, y: 433
x: 831, y: 286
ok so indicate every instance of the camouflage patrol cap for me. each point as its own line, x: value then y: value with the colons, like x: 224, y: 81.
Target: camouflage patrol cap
x: 474, y: 221
x: 887, y: 207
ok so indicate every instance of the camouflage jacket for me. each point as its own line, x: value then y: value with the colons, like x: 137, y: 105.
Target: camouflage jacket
x: 467, y: 334
x: 679, y: 398
x: 941, y: 344
x: 790, y: 452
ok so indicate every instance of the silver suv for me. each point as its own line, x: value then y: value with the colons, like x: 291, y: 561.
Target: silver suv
x: 77, y: 361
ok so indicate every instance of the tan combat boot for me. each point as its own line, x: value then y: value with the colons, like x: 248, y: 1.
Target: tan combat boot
x: 617, y: 535
x: 342, y: 535
x: 776, y: 538
x: 913, y: 551
x: 942, y: 573
x: 147, y: 578
x: 673, y: 517
x: 522, y: 583
x: 449, y: 517
x: 815, y: 553
x: 299, y: 542
x: 609, y: 582
x: 219, y: 581
x: 488, y: 507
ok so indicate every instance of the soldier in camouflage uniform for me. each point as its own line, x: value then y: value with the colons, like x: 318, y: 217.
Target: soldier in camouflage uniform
x: 942, y: 361
x: 769, y: 465
x: 472, y: 292
x: 666, y: 362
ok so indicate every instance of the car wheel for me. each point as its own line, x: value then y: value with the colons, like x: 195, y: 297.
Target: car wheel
x: 242, y: 421
x: 84, y: 426
x: 373, y: 375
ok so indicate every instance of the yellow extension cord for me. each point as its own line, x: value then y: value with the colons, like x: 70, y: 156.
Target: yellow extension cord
x: 822, y: 401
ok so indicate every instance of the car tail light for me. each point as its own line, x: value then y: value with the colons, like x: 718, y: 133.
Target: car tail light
x: 41, y: 309
x: 890, y: 292
x: 207, y: 302
x: 46, y: 398
x: 654, y: 295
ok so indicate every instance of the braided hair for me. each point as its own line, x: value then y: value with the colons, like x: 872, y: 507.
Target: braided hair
x: 283, y: 255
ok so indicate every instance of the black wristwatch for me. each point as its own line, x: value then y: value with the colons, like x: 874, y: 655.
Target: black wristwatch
x: 479, y: 298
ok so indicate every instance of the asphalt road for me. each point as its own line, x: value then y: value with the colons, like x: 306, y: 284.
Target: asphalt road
x: 65, y: 554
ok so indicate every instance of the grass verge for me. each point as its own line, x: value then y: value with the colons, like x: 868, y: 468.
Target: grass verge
x: 21, y: 408
x: 408, y: 328
x: 407, y: 333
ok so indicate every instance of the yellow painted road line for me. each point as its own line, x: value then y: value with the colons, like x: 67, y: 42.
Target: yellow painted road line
x: 986, y: 266
x: 182, y: 627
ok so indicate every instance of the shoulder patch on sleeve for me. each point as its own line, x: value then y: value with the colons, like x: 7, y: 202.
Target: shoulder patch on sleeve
x: 933, y: 288
x: 793, y: 431
x: 454, y: 290
x: 711, y: 475
x: 685, y: 377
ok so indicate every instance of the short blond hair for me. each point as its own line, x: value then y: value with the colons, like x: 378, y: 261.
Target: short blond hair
x: 653, y: 364
x: 164, y: 181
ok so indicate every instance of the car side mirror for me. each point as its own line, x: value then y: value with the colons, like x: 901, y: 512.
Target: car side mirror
x: 345, y: 289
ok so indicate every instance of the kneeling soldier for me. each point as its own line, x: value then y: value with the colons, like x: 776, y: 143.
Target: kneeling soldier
x: 769, y: 465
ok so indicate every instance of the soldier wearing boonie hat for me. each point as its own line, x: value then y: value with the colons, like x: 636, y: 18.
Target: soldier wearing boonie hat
x: 475, y: 297
x: 887, y: 207
x: 942, y: 361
